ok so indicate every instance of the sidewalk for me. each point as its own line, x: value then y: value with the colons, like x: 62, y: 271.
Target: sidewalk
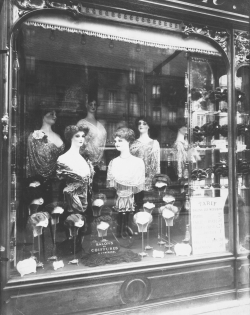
x: 234, y: 307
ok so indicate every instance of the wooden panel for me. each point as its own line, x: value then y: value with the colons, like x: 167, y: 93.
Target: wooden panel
x: 101, y: 295
x: 243, y: 278
x: 188, y: 282
x: 67, y: 301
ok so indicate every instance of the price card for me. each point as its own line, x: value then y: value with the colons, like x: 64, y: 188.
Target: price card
x: 207, y: 225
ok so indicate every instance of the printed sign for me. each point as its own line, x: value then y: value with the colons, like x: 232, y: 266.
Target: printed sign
x: 207, y: 225
x: 104, y: 247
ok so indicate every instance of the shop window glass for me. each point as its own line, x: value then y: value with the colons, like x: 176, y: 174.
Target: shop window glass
x: 115, y: 165
x: 242, y: 117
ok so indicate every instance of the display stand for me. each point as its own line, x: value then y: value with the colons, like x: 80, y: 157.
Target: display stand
x: 54, y: 221
x: 75, y: 260
x: 148, y: 207
x: 38, y: 221
x: 102, y: 230
x: 168, y: 215
x: 142, y: 220
x: 74, y: 222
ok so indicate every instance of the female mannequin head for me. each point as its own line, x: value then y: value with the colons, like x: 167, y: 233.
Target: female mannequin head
x: 92, y: 106
x: 49, y: 117
x: 182, y: 130
x: 182, y: 126
x: 123, y: 138
x: 76, y: 135
x: 142, y: 123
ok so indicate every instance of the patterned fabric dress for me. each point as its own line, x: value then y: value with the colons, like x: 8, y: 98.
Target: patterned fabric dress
x: 95, y: 142
x: 127, y: 176
x: 150, y: 154
x: 78, y: 179
x: 41, y: 155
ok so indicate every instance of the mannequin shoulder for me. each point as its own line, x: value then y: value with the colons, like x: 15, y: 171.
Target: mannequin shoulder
x: 156, y: 144
x: 81, y: 122
x: 63, y: 158
x: 136, y: 161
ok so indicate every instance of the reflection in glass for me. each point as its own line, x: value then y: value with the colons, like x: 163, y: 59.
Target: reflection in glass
x: 176, y: 104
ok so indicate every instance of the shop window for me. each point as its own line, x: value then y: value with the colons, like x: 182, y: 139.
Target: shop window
x: 112, y: 100
x: 156, y: 91
x: 116, y: 169
x: 134, y: 106
x: 132, y: 76
x: 242, y: 143
x: 30, y: 64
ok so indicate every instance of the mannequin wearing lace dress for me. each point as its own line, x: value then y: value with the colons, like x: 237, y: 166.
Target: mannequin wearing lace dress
x: 77, y: 172
x: 148, y: 150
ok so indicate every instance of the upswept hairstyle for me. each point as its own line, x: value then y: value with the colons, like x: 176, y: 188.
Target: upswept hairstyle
x: 146, y: 119
x: 71, y: 130
x: 125, y: 133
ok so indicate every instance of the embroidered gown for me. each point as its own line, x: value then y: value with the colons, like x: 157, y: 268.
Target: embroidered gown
x: 95, y: 142
x: 150, y: 154
x: 42, y: 155
x: 78, y: 178
x: 127, y: 176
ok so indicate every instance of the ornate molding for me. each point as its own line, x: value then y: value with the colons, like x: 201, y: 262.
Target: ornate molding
x: 135, y: 290
x: 5, y: 123
x: 242, y: 48
x: 221, y: 37
x: 30, y: 5
x: 234, y: 6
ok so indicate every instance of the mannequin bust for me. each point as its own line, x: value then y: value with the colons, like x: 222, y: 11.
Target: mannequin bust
x: 148, y: 150
x: 182, y: 151
x: 96, y: 138
x: 44, y: 147
x: 75, y: 169
x: 126, y: 173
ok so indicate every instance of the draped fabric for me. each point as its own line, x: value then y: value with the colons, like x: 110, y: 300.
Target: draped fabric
x: 76, y: 191
x: 150, y: 154
x: 127, y: 176
x: 41, y: 155
x: 95, y: 142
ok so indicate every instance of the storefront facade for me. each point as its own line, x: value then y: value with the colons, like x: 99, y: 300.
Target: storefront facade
x: 124, y: 155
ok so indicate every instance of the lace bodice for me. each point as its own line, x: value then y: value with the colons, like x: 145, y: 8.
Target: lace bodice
x: 150, y: 154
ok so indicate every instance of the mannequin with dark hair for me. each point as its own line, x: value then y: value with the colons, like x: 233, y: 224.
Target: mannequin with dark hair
x: 77, y: 172
x: 44, y: 147
x: 126, y: 174
x: 148, y: 150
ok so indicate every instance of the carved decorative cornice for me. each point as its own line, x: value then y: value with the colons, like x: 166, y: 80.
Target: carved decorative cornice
x: 221, y: 37
x: 242, y: 47
x: 234, y: 6
x: 29, y: 5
